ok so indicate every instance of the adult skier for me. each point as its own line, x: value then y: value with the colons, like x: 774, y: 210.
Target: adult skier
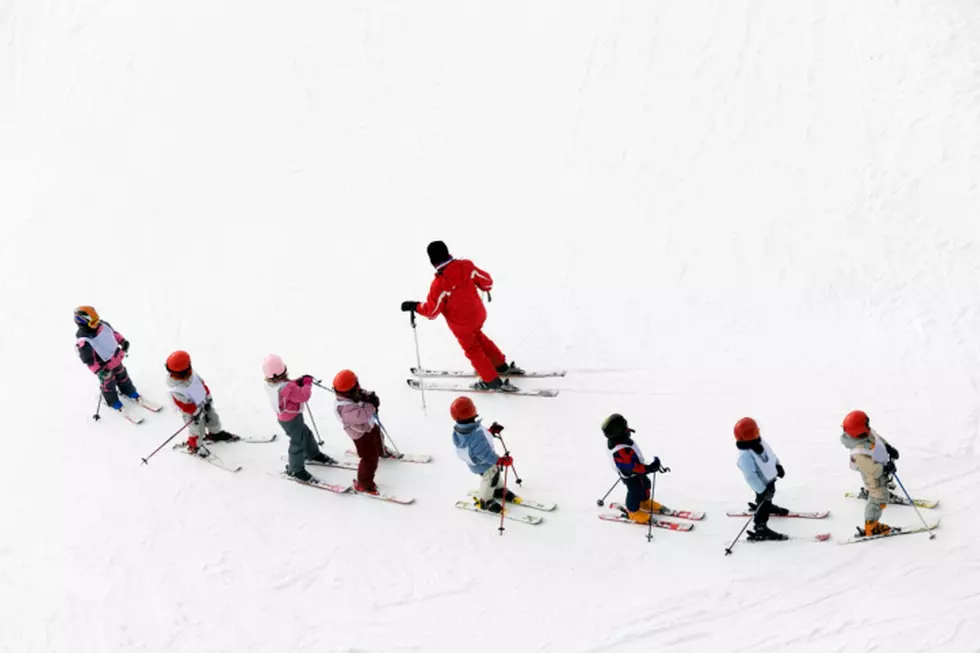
x: 454, y: 294
x: 875, y: 459
x: 357, y: 409
x: 193, y: 397
x: 761, y: 468
x: 102, y: 350
x: 628, y: 461
x: 474, y: 446
x: 288, y: 398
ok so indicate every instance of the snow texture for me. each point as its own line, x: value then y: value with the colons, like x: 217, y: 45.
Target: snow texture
x: 704, y: 210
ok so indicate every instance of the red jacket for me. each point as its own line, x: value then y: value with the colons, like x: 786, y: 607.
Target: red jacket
x: 454, y: 294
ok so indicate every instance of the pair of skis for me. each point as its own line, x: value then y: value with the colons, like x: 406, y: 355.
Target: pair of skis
x: 823, y: 537
x: 689, y: 515
x: 345, y: 489
x: 142, y: 402
x: 211, y: 458
x: 421, y: 374
x: 533, y: 520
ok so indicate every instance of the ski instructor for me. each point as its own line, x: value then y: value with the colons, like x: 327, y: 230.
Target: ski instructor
x: 453, y: 293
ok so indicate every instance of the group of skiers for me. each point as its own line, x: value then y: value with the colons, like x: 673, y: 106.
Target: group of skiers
x: 455, y: 294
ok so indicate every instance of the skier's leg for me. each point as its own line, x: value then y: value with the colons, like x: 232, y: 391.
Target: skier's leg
x: 763, y: 509
x: 369, y: 450
x: 489, y: 482
x: 296, y: 431
x: 470, y: 342
x: 491, y: 350
x: 125, y: 383
x: 212, y: 421
x: 108, y: 388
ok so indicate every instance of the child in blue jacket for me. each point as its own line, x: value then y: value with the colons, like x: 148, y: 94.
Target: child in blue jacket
x: 628, y: 461
x: 761, y: 468
x: 474, y: 445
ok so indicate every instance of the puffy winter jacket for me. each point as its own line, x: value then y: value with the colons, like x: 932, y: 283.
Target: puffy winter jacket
x: 103, y: 338
x: 474, y: 445
x: 356, y: 416
x: 188, y: 393
x: 288, y: 397
x: 453, y: 293
x: 759, y: 469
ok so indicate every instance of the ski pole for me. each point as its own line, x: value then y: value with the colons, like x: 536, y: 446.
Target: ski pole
x: 517, y: 477
x: 418, y: 360
x: 319, y: 441
x: 146, y: 460
x: 653, y: 487
x: 932, y: 534
x: 98, y: 407
x: 384, y: 431
x: 601, y: 502
x: 728, y: 551
x: 503, y: 499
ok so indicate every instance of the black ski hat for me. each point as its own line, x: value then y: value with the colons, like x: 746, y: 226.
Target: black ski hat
x: 438, y: 253
x: 616, y: 426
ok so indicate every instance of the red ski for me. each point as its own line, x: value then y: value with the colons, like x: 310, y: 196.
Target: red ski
x: 679, y: 514
x: 658, y: 523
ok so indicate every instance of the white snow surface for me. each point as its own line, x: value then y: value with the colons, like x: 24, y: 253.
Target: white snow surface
x: 703, y: 210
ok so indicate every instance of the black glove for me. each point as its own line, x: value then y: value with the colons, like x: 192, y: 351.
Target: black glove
x: 196, y: 417
x: 410, y: 306
x: 655, y: 466
x: 780, y: 472
x: 124, y: 345
x: 892, y: 451
x: 372, y: 398
x: 889, y: 467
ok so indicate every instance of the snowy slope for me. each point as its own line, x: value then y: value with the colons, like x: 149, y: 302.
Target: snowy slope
x: 703, y: 210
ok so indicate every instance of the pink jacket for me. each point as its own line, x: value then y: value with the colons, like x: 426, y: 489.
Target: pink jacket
x: 292, y: 397
x: 357, y: 417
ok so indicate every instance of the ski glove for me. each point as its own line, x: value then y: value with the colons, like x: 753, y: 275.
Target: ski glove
x: 495, y: 428
x: 505, y: 461
x: 780, y: 472
x: 372, y: 398
x: 301, y: 381
x: 655, y: 466
x: 892, y: 451
x: 410, y: 306
x: 889, y: 468
x: 104, y: 374
x: 124, y: 345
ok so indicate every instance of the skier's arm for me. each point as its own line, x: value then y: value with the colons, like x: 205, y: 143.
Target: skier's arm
x: 87, y: 354
x: 628, y: 462
x: 482, y: 450
x: 482, y: 279
x: 296, y: 393
x: 359, y: 417
x: 436, y: 300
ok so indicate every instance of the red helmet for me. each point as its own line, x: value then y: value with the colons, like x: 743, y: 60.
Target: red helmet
x: 345, y: 381
x: 462, y: 408
x: 179, y: 362
x: 857, y: 424
x: 746, y: 430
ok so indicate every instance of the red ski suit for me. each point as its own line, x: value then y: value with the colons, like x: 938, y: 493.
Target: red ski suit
x: 454, y: 294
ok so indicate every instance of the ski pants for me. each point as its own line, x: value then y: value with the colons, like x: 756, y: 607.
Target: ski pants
x: 490, y: 481
x: 208, y: 423
x: 637, y: 491
x: 483, y: 354
x: 118, y: 379
x: 877, y: 499
x: 302, y: 444
x: 763, y: 504
x: 369, y: 449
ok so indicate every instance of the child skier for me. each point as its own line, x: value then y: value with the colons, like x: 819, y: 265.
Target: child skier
x: 474, y: 445
x: 357, y: 409
x: 102, y: 349
x: 288, y: 398
x: 761, y: 468
x: 193, y: 397
x: 874, y: 458
x: 453, y: 293
x: 627, y: 460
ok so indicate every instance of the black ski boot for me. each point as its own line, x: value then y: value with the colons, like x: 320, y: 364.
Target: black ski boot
x: 301, y: 475
x: 497, y: 385
x: 322, y: 458
x: 499, y: 494
x: 763, y: 533
x: 221, y: 436
x: 489, y: 506
x: 778, y: 511
x: 510, y: 369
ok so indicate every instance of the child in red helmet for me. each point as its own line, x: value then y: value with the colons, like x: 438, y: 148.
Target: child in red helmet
x: 474, y: 445
x: 357, y: 410
x: 628, y: 461
x: 761, y: 468
x: 874, y: 458
x: 193, y: 397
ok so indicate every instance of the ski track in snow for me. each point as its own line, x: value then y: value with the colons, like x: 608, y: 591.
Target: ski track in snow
x: 702, y: 211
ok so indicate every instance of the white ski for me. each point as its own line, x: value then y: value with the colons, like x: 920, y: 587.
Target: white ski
x: 404, y: 458
x: 527, y: 519
x: 422, y: 372
x: 462, y: 387
x: 525, y: 503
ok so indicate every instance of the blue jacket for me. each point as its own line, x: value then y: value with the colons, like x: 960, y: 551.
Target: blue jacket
x: 759, y: 470
x: 474, y: 445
